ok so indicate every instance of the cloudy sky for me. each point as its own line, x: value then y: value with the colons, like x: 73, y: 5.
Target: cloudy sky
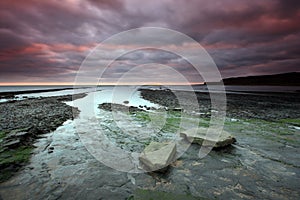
x: 47, y: 41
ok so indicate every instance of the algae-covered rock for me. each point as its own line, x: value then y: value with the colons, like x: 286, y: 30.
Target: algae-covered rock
x: 158, y: 155
x: 218, y: 140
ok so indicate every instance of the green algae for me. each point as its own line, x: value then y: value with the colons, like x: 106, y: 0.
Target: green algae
x: 295, y: 122
x: 13, y: 157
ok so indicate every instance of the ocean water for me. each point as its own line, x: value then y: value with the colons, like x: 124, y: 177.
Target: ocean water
x: 33, y: 87
x: 65, y: 90
x: 89, y: 104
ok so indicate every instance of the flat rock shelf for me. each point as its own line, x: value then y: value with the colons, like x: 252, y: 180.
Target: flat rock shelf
x: 200, y: 136
x: 263, y: 163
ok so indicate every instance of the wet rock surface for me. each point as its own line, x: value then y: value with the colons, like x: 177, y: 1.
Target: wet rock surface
x: 264, y: 163
x: 199, y: 135
x: 248, y: 169
x: 118, y: 107
x: 157, y: 156
x: 270, y: 106
x: 43, y: 114
x: 22, y: 122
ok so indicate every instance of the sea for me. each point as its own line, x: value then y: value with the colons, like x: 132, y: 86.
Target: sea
x: 33, y: 91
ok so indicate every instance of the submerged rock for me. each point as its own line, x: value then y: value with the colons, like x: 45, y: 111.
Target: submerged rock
x: 157, y: 156
x: 197, y: 136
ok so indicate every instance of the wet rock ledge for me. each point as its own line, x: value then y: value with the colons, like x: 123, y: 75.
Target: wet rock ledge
x: 21, y: 122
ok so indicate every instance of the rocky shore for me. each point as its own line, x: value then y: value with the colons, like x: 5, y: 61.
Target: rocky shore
x: 266, y: 106
x: 23, y: 121
x: 264, y: 163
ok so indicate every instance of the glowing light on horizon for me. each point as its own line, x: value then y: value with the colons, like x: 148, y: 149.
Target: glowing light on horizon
x: 90, y: 84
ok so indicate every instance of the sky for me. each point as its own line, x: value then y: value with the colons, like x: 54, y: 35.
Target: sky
x: 46, y: 42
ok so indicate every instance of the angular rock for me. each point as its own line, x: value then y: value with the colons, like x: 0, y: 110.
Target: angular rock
x: 17, y: 133
x: 199, y: 135
x: 157, y: 156
x: 12, y: 143
x: 21, y: 134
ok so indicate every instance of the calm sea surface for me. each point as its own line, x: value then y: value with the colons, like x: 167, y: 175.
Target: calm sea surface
x: 24, y: 88
x: 66, y: 90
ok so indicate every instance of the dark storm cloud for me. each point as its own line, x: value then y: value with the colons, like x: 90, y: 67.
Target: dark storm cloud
x: 48, y: 40
x: 108, y: 4
x: 144, y: 58
x: 9, y: 40
x: 287, y: 8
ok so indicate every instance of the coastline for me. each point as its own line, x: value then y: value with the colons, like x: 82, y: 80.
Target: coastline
x: 264, y: 156
x: 22, y: 122
x: 11, y: 94
x: 253, y: 105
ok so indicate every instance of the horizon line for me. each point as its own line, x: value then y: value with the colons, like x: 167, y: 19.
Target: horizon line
x: 91, y: 84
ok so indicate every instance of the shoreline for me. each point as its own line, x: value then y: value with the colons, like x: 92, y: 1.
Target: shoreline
x: 256, y: 106
x: 11, y: 94
x: 67, y: 169
x: 22, y: 122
